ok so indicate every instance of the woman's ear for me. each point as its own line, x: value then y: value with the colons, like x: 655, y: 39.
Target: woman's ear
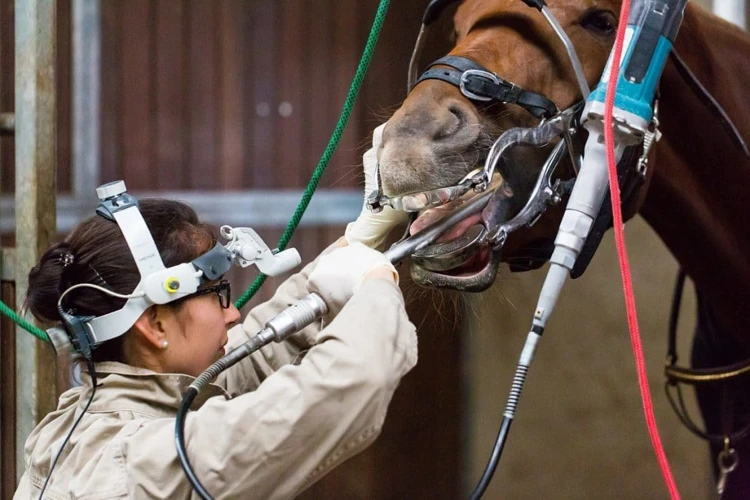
x: 151, y: 326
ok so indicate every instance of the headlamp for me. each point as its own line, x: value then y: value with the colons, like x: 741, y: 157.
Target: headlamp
x: 159, y: 284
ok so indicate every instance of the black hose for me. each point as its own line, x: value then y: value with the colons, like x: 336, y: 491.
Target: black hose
x: 489, y: 471
x: 179, y: 437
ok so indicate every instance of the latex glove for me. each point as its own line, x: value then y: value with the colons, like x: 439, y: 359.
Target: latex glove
x: 372, y: 229
x: 338, y: 274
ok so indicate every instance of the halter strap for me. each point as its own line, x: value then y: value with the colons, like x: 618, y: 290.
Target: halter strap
x: 687, y: 375
x: 698, y: 377
x: 710, y: 101
x: 479, y: 84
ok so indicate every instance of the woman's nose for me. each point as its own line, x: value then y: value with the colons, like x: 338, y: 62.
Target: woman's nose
x: 231, y: 315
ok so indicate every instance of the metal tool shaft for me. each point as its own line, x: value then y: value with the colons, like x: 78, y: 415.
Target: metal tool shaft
x: 429, y: 235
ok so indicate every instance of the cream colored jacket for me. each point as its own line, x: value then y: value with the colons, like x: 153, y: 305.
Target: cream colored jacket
x: 268, y: 428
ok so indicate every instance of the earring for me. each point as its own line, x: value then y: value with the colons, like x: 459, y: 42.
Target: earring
x: 164, y: 344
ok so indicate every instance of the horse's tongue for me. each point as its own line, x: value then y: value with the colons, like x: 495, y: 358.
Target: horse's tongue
x: 459, y: 229
x: 427, y: 218
x: 433, y: 215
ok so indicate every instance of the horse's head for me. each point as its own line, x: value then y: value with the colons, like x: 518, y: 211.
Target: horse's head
x: 438, y: 135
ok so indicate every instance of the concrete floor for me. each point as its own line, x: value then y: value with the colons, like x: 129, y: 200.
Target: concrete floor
x: 579, y: 430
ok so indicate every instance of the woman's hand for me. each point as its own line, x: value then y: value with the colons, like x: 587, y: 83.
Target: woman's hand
x: 372, y: 229
x: 338, y: 274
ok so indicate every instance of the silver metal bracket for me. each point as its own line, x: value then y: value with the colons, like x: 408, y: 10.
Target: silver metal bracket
x: 248, y: 248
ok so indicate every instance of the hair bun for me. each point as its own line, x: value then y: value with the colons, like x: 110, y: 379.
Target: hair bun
x: 47, y: 280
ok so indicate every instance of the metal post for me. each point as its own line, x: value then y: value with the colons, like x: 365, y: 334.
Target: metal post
x: 7, y: 123
x: 86, y: 93
x: 731, y: 10
x: 35, y: 200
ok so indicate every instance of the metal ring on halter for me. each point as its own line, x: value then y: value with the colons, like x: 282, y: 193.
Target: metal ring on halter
x: 481, y: 74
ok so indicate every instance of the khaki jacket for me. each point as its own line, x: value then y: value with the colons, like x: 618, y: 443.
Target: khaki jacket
x: 268, y: 428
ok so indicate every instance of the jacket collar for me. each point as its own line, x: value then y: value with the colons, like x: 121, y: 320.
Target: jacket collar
x: 122, y: 387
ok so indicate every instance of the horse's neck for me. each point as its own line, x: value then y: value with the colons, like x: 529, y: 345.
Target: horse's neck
x: 697, y: 198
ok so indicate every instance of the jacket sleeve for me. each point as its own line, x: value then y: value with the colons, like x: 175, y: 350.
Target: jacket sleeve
x: 301, y: 422
x: 249, y: 373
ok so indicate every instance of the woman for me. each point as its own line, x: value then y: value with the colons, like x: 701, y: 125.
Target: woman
x: 268, y: 427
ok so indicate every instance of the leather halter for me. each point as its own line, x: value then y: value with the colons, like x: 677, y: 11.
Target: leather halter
x: 481, y: 85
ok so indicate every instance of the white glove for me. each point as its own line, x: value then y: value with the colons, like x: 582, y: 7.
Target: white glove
x: 338, y: 274
x: 372, y: 229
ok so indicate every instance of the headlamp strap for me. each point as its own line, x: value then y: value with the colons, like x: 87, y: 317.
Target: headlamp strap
x: 123, y: 209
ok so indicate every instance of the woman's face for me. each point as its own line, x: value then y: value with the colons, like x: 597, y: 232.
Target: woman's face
x: 196, y: 332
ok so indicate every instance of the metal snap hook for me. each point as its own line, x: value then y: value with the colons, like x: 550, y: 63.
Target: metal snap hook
x: 727, y: 461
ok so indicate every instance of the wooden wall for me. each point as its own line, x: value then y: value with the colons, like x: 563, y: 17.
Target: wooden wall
x: 232, y: 94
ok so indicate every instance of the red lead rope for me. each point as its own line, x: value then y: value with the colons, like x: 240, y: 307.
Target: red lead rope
x: 627, y: 283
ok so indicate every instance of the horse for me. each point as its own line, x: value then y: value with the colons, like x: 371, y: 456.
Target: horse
x: 693, y: 190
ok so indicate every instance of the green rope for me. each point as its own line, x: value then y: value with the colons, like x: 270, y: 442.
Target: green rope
x: 359, y: 77
x: 351, y: 97
x: 37, y: 332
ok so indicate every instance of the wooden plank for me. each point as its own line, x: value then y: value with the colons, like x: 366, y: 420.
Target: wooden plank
x: 36, y: 108
x: 86, y: 76
x: 349, y: 36
x: 290, y: 126
x: 7, y: 395
x: 203, y: 96
x: 7, y: 94
x: 233, y: 30
x: 171, y: 86
x: 111, y: 103
x: 64, y: 97
x: 263, y: 111
x: 320, y: 107
x: 135, y: 52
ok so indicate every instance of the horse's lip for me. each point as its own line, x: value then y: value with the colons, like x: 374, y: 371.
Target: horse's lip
x: 477, y: 281
x: 453, y: 254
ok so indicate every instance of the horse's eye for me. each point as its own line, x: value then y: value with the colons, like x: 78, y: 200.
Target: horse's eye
x: 600, y: 22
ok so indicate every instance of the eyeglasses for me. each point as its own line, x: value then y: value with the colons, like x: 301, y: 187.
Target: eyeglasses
x: 222, y: 289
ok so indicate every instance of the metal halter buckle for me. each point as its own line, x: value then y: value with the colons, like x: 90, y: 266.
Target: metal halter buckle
x: 481, y: 74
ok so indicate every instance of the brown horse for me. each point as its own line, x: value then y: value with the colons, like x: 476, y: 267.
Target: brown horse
x: 693, y: 197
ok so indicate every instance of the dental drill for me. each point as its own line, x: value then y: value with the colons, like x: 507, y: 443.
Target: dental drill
x: 652, y: 29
